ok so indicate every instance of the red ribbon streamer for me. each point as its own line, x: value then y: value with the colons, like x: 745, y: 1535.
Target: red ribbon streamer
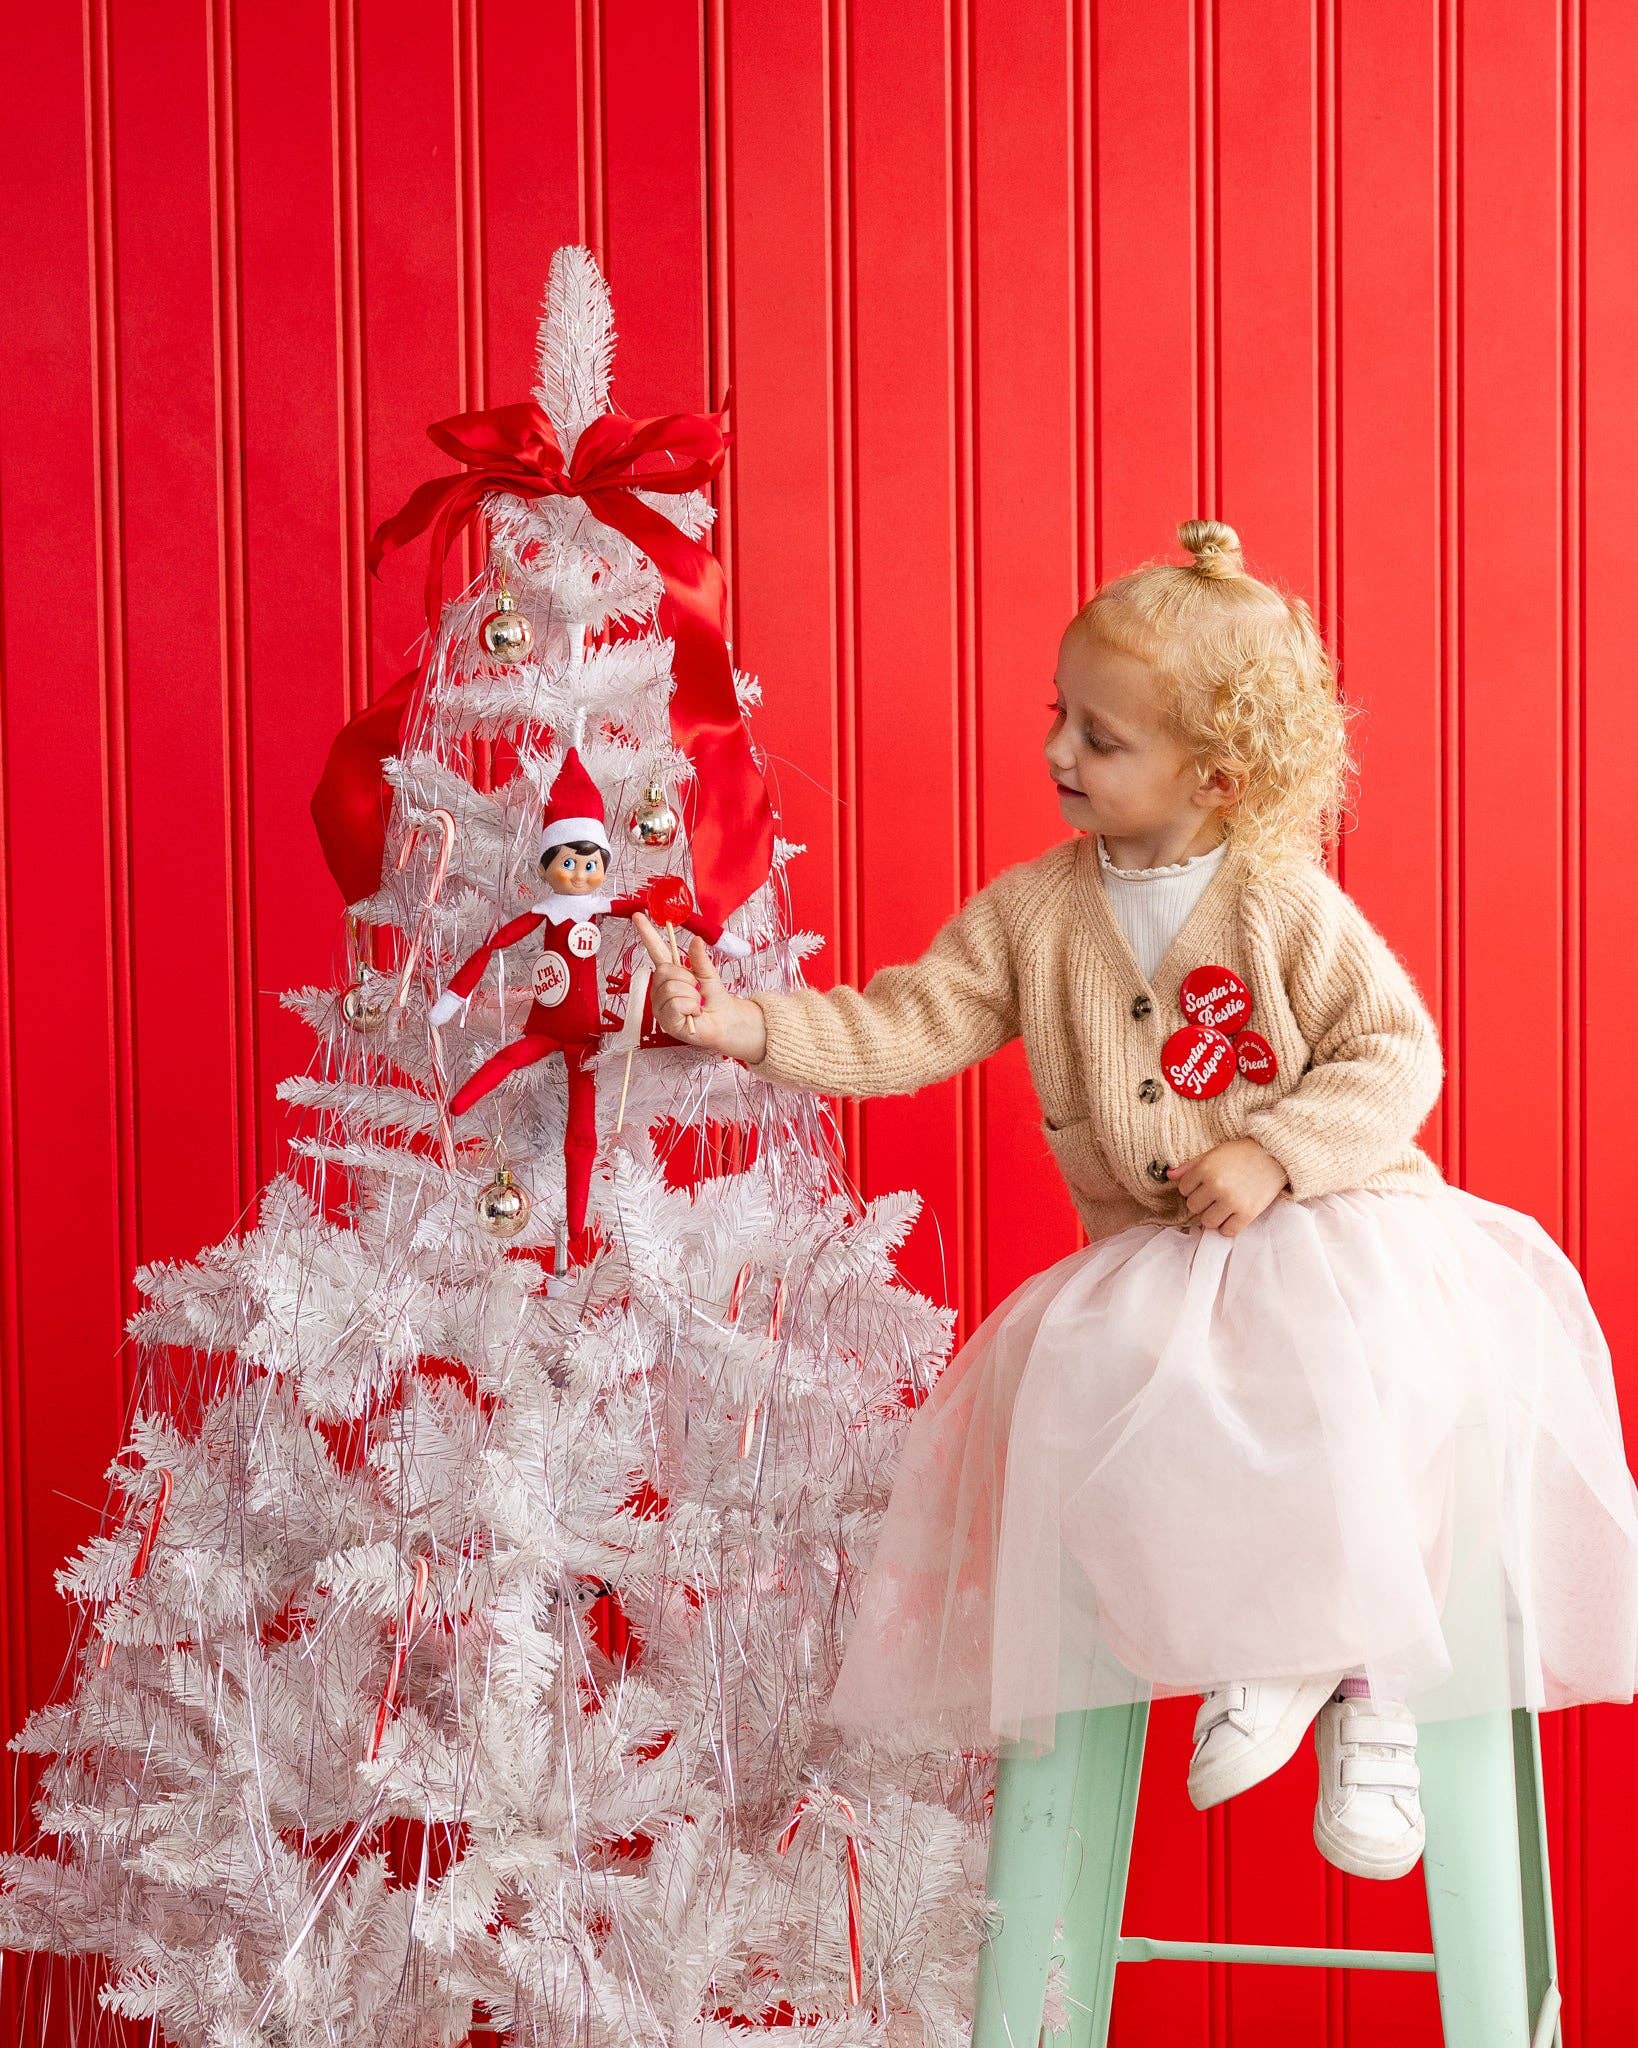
x: 807, y: 1802
x: 514, y: 449
x: 145, y: 1550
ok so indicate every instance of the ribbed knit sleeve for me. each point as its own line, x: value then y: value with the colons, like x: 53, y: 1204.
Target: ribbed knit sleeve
x: 1376, y: 1068
x: 909, y: 1025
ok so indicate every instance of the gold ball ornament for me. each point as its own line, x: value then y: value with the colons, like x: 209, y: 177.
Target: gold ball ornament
x: 503, y: 1206
x: 366, y: 1006
x: 654, y: 823
x: 506, y: 633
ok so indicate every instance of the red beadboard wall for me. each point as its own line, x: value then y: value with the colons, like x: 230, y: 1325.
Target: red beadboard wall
x: 1003, y: 291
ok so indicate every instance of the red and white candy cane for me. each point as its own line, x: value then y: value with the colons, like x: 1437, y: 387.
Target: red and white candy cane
x: 855, y: 1966
x: 412, y: 1614
x: 145, y: 1550
x: 776, y: 1322
x: 412, y: 953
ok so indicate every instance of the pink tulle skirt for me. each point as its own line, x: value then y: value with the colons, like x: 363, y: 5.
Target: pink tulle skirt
x: 1374, y: 1430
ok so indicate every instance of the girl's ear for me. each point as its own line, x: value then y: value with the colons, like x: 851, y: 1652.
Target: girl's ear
x: 1220, y: 789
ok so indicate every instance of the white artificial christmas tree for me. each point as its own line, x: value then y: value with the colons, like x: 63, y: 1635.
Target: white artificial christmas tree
x: 453, y: 1657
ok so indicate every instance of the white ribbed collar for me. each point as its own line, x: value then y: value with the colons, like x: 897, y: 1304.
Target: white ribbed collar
x: 1195, y: 863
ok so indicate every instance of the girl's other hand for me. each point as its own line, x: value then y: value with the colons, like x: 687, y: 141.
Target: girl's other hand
x: 1229, y: 1186
x: 692, y: 989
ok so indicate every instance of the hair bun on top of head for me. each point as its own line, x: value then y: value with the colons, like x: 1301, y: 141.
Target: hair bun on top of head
x: 1214, y: 546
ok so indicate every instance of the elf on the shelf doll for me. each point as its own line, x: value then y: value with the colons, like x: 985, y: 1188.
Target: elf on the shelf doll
x: 566, y: 1014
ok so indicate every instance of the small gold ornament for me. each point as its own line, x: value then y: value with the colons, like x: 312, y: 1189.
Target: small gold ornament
x: 367, y: 1006
x: 506, y: 633
x: 654, y: 823
x: 503, y: 1206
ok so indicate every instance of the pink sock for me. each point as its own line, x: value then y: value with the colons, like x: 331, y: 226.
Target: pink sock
x: 1355, y: 1686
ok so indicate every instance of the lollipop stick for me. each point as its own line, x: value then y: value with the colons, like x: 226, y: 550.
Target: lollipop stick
x: 671, y: 935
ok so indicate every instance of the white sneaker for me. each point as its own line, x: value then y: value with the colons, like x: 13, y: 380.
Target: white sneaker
x: 1243, y: 1733
x: 1368, y: 1817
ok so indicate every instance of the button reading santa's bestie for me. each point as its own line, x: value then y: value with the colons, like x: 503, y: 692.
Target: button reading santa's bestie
x: 1254, y: 1056
x: 1198, y: 1061
x: 551, y: 979
x: 1215, y: 996
x: 583, y: 940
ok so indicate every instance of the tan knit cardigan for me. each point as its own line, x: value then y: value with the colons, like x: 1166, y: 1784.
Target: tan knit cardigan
x: 1038, y: 952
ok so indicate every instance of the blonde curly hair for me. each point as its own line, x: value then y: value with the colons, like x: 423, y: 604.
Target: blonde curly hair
x: 1252, y: 688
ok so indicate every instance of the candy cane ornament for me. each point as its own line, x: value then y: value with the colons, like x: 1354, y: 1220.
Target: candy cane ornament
x: 776, y: 1322
x: 855, y: 1967
x: 145, y: 1550
x: 412, y: 1614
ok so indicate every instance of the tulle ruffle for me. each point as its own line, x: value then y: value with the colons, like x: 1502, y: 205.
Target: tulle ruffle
x: 1376, y: 1429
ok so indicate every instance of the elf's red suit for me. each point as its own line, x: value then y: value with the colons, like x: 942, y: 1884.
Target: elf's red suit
x: 566, y: 1014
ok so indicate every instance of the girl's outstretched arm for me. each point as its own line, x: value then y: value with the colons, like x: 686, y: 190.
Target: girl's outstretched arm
x: 909, y: 1025
x: 1375, y: 1070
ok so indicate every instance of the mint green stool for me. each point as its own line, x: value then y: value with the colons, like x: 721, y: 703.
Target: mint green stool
x: 1061, y: 1838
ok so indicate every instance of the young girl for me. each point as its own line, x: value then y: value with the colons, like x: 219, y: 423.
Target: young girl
x: 1304, y: 1428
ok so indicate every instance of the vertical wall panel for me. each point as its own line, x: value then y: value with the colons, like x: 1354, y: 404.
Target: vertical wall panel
x: 1272, y: 484
x: 916, y: 769
x: 65, y: 1072
x: 1152, y: 379
x: 297, y: 596
x: 1002, y: 294
x: 413, y: 311
x: 1603, y: 69
x: 179, y: 476
x: 1024, y: 511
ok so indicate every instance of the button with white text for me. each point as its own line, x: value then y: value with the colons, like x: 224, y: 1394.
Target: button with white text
x: 1215, y: 996
x: 1254, y: 1056
x: 1198, y: 1061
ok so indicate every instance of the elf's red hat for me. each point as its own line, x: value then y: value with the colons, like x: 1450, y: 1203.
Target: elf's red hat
x: 574, y: 808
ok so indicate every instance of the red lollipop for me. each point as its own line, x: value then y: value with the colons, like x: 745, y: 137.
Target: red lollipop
x: 1198, y: 1061
x: 1255, y: 1057
x: 668, y: 899
x: 1215, y: 996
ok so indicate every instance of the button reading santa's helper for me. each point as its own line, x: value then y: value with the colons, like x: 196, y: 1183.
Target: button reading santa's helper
x: 1255, y: 1057
x: 1198, y: 1061
x: 583, y: 940
x: 551, y: 979
x: 1215, y: 996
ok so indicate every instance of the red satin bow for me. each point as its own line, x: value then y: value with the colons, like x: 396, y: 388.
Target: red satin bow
x: 513, y: 448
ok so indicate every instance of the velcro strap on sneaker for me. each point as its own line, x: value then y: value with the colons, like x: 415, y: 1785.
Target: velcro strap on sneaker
x: 1398, y: 1772
x: 1218, y: 1706
x: 1376, y: 1728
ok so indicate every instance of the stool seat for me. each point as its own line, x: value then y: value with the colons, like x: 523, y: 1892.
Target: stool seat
x: 1061, y: 1841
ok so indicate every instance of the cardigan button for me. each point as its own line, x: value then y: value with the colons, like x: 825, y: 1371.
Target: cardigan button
x: 1142, y: 1005
x: 1149, y: 1090
x: 1158, y: 1169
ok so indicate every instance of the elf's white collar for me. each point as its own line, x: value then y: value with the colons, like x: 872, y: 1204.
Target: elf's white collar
x: 561, y: 909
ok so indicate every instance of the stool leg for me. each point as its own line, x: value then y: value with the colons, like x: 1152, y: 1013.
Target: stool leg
x: 1099, y: 1853
x: 1471, y: 1868
x: 1540, y: 1949
x: 1036, y: 1801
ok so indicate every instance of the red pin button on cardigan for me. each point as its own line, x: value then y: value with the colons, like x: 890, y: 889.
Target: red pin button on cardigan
x: 1215, y: 996
x: 1255, y: 1057
x: 1198, y: 1061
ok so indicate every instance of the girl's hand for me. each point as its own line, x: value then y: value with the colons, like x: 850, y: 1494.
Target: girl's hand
x: 1229, y: 1186
x: 693, y: 989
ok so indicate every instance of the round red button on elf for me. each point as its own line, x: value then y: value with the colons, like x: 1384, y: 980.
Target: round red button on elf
x: 1215, y: 996
x: 1255, y: 1057
x: 1198, y: 1061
